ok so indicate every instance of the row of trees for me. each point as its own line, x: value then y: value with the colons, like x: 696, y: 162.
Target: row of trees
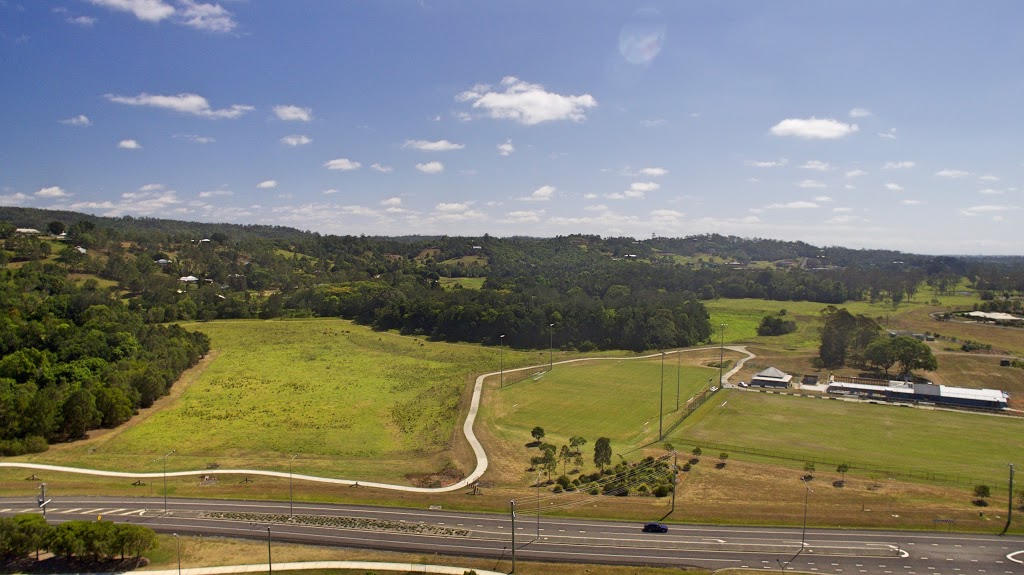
x: 25, y: 534
x: 857, y: 340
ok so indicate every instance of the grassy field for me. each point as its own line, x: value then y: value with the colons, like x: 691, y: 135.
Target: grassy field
x: 353, y: 402
x: 465, y: 283
x: 974, y: 446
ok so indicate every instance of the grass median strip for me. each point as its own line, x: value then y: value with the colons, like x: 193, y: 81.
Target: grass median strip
x: 361, y: 523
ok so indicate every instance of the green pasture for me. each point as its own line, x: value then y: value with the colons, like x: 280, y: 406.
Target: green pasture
x: 465, y: 283
x: 614, y: 398
x: 353, y: 402
x: 972, y: 445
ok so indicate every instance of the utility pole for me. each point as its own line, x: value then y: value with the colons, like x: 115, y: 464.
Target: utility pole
x: 661, y: 396
x: 1009, y: 512
x: 675, y: 478
x: 513, y: 504
x: 164, y: 459
x: 270, y: 561
x: 538, y: 506
x: 42, y: 500
x: 501, y: 360
x: 551, y: 347
x: 679, y: 366
x: 291, y: 499
x: 177, y: 547
x: 803, y: 534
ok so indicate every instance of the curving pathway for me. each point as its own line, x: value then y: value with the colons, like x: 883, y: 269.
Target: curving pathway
x: 467, y: 429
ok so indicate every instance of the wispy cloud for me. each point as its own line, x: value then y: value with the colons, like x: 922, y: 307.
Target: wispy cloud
x: 195, y: 139
x: 129, y: 145
x: 206, y: 17
x: 814, y: 128
x: 860, y: 113
x: 817, y: 165
x: 798, y: 205
x: 904, y: 165
x: 768, y: 163
x: 526, y: 103
x: 506, y: 148
x: 342, y: 164
x: 890, y: 135
x: 185, y: 103
x: 952, y: 174
x: 811, y: 184
x: 267, y: 184
x: 541, y: 194
x: 382, y: 169
x: 80, y: 120
x: 426, y: 146
x: 653, y: 172
x: 893, y: 187
x: 987, y: 209
x: 52, y: 192
x: 856, y: 173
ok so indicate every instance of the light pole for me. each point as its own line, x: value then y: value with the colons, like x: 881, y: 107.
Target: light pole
x: 291, y: 500
x: 679, y: 367
x: 721, y: 356
x: 164, y: 459
x: 501, y: 360
x: 661, y: 396
x: 803, y: 534
x: 551, y: 347
x: 513, y: 506
x: 1009, y: 512
x: 538, y: 506
x: 177, y: 547
x: 270, y: 561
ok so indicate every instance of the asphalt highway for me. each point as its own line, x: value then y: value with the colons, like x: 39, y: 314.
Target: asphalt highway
x: 559, y: 539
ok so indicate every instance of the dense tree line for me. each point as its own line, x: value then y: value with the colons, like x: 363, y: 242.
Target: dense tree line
x: 76, y: 358
x: 26, y: 534
x: 847, y: 339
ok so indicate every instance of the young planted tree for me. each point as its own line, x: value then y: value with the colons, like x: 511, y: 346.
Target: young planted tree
x: 721, y: 459
x: 981, y: 494
x: 538, y: 434
x: 565, y: 454
x: 809, y: 468
x: 841, y: 470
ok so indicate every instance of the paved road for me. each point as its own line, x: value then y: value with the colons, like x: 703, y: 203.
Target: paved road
x: 559, y: 539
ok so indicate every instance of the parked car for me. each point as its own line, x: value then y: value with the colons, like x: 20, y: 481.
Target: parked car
x: 655, y: 528
x: 743, y: 384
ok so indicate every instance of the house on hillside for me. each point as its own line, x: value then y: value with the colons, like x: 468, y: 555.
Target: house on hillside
x: 771, y: 377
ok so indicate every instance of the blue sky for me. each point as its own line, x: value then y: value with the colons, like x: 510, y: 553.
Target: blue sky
x: 863, y: 124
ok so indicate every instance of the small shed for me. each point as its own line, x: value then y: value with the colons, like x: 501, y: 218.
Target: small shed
x: 771, y: 377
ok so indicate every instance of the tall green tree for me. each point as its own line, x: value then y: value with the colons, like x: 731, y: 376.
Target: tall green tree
x: 602, y: 452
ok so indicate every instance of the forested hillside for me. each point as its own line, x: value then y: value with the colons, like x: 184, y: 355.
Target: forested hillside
x: 87, y: 339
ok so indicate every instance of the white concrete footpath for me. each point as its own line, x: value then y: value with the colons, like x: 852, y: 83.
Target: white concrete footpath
x: 467, y: 429
x: 300, y: 566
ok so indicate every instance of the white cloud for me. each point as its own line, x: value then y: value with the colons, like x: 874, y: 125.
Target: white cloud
x: 589, y: 196
x: 860, y: 113
x: 596, y: 208
x: 652, y: 123
x: 52, y: 192
x: 381, y: 169
x: 185, y: 103
x: 343, y: 164
x: 296, y: 140
x: 541, y: 194
x: 823, y: 198
x: 267, y: 184
x: 844, y: 219
x: 769, y: 163
x: 146, y: 10
x: 330, y: 191
x: 904, y: 165
x: 392, y: 202
x: 813, y: 128
x: 80, y: 120
x: 979, y: 210
x: 817, y: 165
x: 990, y: 192
x: 842, y: 210
x: 653, y: 172
x: 83, y: 21
x: 911, y: 202
x: 893, y: 187
x: 989, y: 178
x: 129, y: 145
x: 527, y: 103
x: 524, y: 216
x: 196, y: 139
x: 15, y: 199
x: 438, y: 146
x: 798, y: 205
x: 506, y: 149
x: 430, y: 167
x: 451, y: 207
x: 890, y: 135
x: 293, y: 113
x: 810, y: 184
x: 636, y: 190
x: 644, y: 187
x: 947, y: 173
x: 206, y: 17
x: 856, y: 173
x: 151, y: 187
x: 215, y: 193
x: 140, y: 203
x: 666, y: 214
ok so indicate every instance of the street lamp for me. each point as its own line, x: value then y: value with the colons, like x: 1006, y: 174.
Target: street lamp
x: 679, y: 367
x: 164, y: 459
x: 291, y: 500
x: 538, y: 506
x: 177, y: 547
x: 501, y: 360
x: 551, y: 347
x: 803, y: 534
x: 512, y: 505
x: 721, y: 356
x: 270, y: 561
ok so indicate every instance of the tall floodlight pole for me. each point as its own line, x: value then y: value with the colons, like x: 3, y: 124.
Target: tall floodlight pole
x: 721, y: 356
x: 551, y: 347
x: 1009, y: 513
x: 538, y: 506
x: 291, y: 499
x: 501, y: 360
x: 270, y: 561
x: 177, y: 546
x: 679, y: 367
x: 675, y: 478
x: 513, y: 505
x: 661, y: 396
x: 164, y: 459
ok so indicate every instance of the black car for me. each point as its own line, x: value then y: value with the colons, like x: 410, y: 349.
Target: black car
x: 655, y: 528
